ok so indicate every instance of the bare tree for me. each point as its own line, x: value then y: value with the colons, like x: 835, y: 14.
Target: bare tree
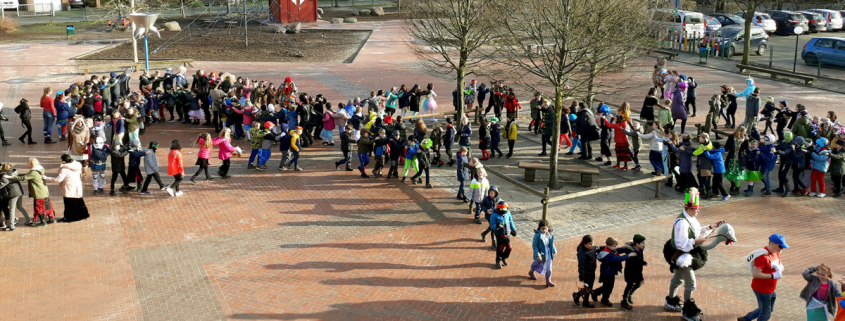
x: 549, y: 42
x: 449, y: 36
x: 749, y: 7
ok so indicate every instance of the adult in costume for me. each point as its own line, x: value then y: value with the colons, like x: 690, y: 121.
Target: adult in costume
x: 685, y: 253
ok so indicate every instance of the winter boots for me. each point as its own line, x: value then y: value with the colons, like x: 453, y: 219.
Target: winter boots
x: 690, y: 311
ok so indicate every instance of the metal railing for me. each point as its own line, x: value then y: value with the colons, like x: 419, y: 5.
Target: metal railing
x: 36, y: 9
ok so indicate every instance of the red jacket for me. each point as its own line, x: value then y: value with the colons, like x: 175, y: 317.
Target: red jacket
x: 619, y: 136
x: 511, y: 102
x: 47, y: 104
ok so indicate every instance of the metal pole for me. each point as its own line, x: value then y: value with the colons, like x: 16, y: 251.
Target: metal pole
x: 795, y: 60
x: 182, y: 7
x: 146, y: 54
x: 134, y: 41
x: 546, y: 202
x: 52, y: 12
x: 771, y: 55
x: 86, y: 12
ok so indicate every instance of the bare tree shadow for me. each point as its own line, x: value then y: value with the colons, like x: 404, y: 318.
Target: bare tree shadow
x: 370, y: 246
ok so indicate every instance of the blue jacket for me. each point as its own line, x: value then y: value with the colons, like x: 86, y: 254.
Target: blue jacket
x: 767, y: 158
x: 821, y: 160
x: 715, y: 156
x: 284, y: 137
x: 611, y: 262
x: 685, y: 156
x: 505, y: 219
x: 411, y: 152
x: 463, y: 171
x: 449, y: 137
x: 495, y: 133
x: 489, y: 203
x: 291, y: 120
x: 751, y: 160
x: 466, y: 133
x: 135, y: 157
x: 381, y: 145
x: 540, y: 248
x: 62, y: 110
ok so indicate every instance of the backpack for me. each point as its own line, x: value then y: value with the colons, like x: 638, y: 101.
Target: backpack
x: 6, y: 191
x: 750, y: 258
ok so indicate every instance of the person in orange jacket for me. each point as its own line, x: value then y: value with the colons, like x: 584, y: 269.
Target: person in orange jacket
x: 175, y: 168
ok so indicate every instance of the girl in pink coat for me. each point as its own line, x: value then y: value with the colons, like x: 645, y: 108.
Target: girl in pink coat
x: 205, y: 144
x: 328, y: 127
x: 225, y: 151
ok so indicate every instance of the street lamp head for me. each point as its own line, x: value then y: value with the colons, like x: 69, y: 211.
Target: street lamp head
x: 144, y: 23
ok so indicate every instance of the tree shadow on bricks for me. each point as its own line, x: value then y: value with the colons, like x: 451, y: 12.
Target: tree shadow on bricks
x: 476, y: 282
x: 431, y: 310
x: 348, y: 266
x: 395, y: 246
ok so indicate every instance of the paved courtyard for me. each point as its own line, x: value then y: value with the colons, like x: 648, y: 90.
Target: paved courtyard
x: 328, y: 245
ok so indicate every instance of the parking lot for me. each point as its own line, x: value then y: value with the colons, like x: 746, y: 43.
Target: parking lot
x: 782, y: 50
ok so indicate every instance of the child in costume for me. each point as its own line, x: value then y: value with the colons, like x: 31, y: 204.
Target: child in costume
x: 545, y: 252
x: 751, y: 168
x: 623, y: 149
x: 478, y: 190
x: 175, y: 168
x: 98, y: 154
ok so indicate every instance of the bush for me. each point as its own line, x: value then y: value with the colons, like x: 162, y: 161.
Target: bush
x: 8, y: 25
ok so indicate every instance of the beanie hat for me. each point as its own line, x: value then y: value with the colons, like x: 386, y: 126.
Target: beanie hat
x: 381, y: 131
x: 692, y: 198
x: 821, y: 142
x: 783, y: 102
x: 426, y: 143
x: 604, y: 109
x: 787, y: 137
x: 395, y: 133
x: 638, y: 238
x: 502, y: 207
x: 135, y: 142
x: 268, y: 125
x: 494, y: 119
x: 572, y: 117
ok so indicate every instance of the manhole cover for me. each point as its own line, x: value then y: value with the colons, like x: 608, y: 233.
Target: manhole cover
x: 21, y: 47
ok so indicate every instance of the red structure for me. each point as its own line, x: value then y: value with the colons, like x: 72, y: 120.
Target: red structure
x: 294, y: 10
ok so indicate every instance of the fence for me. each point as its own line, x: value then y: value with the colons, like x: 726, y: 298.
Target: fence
x: 36, y: 9
x: 695, y: 43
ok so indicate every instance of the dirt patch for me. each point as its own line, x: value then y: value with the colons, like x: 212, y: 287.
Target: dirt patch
x: 311, y: 45
x: 346, y: 12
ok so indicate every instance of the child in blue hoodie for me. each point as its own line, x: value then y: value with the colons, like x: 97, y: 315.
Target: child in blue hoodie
x: 411, y: 150
x: 820, y: 163
x: 767, y: 162
x: 611, y: 265
x: 715, y: 156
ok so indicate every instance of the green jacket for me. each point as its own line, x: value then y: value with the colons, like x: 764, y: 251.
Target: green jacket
x: 37, y: 188
x: 803, y: 128
x: 256, y: 133
x: 837, y: 162
x: 365, y: 145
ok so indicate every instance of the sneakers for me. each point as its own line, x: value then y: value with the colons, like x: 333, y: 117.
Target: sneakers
x: 607, y: 163
x: 637, y: 168
x: 813, y: 194
x: 298, y: 169
x: 483, y: 237
x: 626, y: 305
x: 672, y: 304
x: 169, y: 191
x: 179, y: 193
x: 477, y: 221
x: 726, y: 197
x: 606, y: 303
x: 821, y: 195
x: 193, y: 181
x: 145, y: 193
x: 498, y: 264
x: 250, y: 166
x: 164, y: 187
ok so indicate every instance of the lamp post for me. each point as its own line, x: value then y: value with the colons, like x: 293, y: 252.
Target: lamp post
x: 144, y: 24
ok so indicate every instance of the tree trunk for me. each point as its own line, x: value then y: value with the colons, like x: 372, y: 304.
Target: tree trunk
x: 459, y: 110
x: 591, y: 85
x: 555, y: 138
x: 749, y: 12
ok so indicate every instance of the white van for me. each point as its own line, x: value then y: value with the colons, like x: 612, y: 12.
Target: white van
x: 692, y: 23
x: 833, y: 18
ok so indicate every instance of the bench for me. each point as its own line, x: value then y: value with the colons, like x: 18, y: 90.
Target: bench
x: 124, y: 65
x: 669, y: 54
x: 808, y: 80
x: 587, y: 172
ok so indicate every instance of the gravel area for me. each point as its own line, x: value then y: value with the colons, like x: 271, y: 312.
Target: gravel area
x: 311, y: 45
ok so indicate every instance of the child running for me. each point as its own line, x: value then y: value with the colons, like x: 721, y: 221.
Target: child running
x: 175, y: 168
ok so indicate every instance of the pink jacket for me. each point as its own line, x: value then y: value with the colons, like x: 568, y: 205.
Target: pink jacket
x: 69, y: 179
x: 248, y: 115
x: 328, y: 122
x: 340, y: 118
x: 225, y: 148
x: 204, y: 153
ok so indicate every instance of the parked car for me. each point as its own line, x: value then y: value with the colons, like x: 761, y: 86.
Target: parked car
x: 787, y: 21
x: 815, y: 21
x: 729, y: 19
x: 762, y: 20
x: 759, y: 39
x: 833, y: 18
x: 711, y: 25
x: 692, y: 23
x: 828, y: 50
x: 77, y: 3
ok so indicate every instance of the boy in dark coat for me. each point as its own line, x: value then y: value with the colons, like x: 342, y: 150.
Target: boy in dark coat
x: 118, y: 166
x: 436, y: 137
x: 784, y: 149
x: 634, y: 271
x: 397, y: 147
x: 586, y: 254
x: 346, y: 141
x: 611, y: 265
x: 449, y: 139
x: 380, y: 150
x: 26, y: 116
x: 488, y: 204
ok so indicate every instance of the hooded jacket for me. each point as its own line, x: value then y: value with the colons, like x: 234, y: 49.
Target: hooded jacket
x: 587, y: 262
x: 463, y: 171
x: 150, y: 162
x: 611, y: 261
x: 411, y: 151
x: 489, y: 203
x: 24, y: 112
x: 799, y: 159
x: 803, y: 128
x: 449, y: 136
x: 821, y: 159
x: 35, y: 178
x: 506, y: 222
x: 69, y: 179
x: 118, y: 158
x: 837, y: 162
x: 767, y: 157
x: 715, y: 156
x: 466, y: 133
